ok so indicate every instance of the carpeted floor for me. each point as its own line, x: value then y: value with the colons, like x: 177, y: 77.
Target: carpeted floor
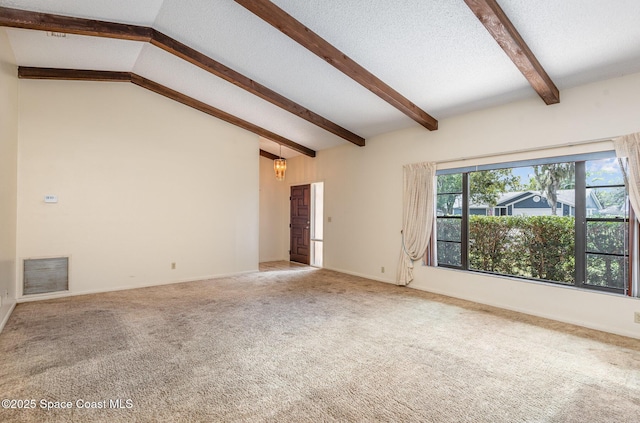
x: 308, y: 345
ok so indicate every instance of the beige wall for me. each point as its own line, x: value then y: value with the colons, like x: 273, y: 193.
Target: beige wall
x: 142, y: 182
x: 363, y: 195
x: 273, y: 213
x: 8, y: 175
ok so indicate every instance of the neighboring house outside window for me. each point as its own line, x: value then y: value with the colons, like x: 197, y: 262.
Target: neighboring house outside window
x: 533, y: 203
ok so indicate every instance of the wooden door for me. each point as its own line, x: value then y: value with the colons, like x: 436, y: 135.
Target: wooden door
x: 300, y: 223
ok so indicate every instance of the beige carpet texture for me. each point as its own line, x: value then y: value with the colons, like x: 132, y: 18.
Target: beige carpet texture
x: 306, y: 345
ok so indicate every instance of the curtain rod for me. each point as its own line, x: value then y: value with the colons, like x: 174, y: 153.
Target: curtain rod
x: 525, y: 150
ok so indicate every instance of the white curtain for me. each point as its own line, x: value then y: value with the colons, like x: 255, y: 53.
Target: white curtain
x: 629, y: 146
x: 417, y: 218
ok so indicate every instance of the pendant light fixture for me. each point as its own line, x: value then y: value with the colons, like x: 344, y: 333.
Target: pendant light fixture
x: 280, y: 166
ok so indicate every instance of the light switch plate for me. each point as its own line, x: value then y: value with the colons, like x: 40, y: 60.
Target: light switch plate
x: 50, y: 198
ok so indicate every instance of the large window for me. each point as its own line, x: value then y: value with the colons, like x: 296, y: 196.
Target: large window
x: 562, y: 220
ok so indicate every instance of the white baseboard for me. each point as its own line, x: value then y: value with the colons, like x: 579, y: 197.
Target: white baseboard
x: 51, y: 296
x: 266, y: 260
x: 5, y: 318
x: 588, y: 325
x: 362, y: 275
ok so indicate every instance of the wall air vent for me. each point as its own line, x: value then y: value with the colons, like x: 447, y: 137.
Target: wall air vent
x: 56, y: 34
x: 46, y: 275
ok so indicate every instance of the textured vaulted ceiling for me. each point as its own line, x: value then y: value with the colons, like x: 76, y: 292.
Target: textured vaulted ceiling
x: 435, y: 53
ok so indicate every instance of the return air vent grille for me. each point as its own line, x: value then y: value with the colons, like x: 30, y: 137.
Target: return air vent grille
x: 46, y: 275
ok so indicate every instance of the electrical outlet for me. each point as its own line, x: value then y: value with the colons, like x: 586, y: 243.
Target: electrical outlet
x: 173, y: 265
x: 382, y: 269
x: 636, y: 317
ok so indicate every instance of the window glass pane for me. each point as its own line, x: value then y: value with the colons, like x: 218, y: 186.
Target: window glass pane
x: 449, y: 253
x: 521, y: 233
x: 608, y: 271
x: 604, y: 172
x: 316, y: 256
x: 607, y: 202
x: 606, y: 237
x: 449, y: 205
x: 317, y: 219
x: 449, y: 183
x: 449, y: 229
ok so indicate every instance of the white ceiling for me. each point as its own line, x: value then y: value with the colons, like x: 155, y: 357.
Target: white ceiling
x: 436, y: 53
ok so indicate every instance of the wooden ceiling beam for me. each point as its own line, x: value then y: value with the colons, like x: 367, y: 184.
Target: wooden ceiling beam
x: 268, y: 155
x: 272, y: 14
x: 16, y: 18
x: 504, y: 32
x: 57, y: 23
x: 89, y: 75
x: 72, y: 74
